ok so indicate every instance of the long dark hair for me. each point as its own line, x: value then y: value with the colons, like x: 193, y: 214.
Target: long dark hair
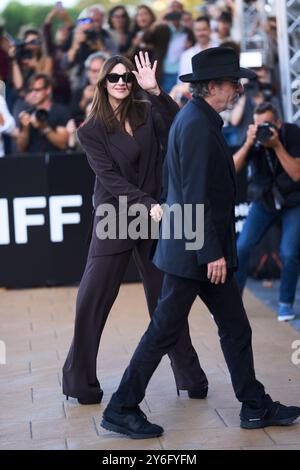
x: 130, y: 109
x: 127, y: 18
x: 135, y: 27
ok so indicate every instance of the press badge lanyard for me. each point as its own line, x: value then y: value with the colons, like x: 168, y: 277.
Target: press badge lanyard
x: 278, y: 200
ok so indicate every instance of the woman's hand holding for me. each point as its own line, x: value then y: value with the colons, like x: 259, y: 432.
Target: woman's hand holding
x: 156, y: 213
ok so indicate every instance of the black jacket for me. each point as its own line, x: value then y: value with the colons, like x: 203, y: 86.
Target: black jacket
x: 127, y: 166
x: 262, y: 176
x: 200, y: 171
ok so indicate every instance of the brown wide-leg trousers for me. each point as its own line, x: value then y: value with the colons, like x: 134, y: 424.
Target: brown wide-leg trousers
x: 98, y: 290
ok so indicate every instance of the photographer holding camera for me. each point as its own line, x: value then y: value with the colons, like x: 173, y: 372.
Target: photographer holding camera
x: 28, y: 58
x: 257, y: 90
x: 89, y: 36
x: 272, y: 150
x: 43, y: 126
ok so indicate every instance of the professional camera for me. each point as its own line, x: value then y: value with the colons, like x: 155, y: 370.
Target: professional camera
x: 91, y: 35
x: 173, y: 16
x: 42, y: 116
x: 22, y: 52
x: 264, y: 132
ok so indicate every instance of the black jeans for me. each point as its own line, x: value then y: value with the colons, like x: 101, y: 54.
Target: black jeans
x: 226, y: 306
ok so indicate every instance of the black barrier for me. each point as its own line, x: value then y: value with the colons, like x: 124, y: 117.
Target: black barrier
x: 45, y: 215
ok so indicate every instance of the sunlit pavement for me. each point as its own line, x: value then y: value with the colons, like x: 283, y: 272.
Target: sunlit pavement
x: 37, y: 326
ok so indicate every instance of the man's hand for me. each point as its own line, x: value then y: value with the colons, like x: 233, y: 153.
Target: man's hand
x: 25, y: 119
x: 156, y: 213
x: 251, y: 135
x: 1, y: 120
x: 36, y: 123
x: 274, y: 141
x: 217, y: 271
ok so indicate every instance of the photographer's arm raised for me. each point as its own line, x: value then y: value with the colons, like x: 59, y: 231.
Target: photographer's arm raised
x: 78, y: 39
x: 238, y: 111
x: 17, y: 77
x: 240, y: 157
x: 290, y: 164
x: 22, y: 137
x: 58, y: 137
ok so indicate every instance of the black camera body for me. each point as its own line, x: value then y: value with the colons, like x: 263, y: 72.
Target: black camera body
x: 91, y: 35
x: 42, y: 116
x: 22, y: 53
x: 173, y: 16
x: 264, y: 132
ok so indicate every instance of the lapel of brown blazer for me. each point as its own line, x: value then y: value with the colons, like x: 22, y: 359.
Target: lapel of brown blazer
x: 143, y: 136
x: 125, y: 144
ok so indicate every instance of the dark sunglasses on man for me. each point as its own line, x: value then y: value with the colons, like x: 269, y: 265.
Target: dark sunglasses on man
x: 234, y: 81
x: 127, y: 77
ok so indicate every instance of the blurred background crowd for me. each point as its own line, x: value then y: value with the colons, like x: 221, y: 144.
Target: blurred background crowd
x: 50, y: 71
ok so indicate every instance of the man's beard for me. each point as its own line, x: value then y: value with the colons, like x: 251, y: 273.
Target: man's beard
x: 233, y: 102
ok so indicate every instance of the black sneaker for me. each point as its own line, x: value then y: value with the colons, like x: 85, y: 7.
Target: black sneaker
x: 133, y: 423
x: 274, y: 414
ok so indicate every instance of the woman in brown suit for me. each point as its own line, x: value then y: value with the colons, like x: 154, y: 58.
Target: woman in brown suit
x: 122, y: 139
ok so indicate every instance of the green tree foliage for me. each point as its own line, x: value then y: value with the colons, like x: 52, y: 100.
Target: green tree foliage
x: 107, y: 3
x: 17, y: 16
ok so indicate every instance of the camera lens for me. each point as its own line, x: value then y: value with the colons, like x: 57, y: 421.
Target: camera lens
x: 91, y: 35
x: 264, y: 132
x: 41, y: 115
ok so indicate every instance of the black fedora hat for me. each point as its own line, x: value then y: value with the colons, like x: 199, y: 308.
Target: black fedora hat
x: 216, y: 62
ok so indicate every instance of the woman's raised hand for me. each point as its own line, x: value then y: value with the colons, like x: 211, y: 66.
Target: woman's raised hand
x: 145, y: 74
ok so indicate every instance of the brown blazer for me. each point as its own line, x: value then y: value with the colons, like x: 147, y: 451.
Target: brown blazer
x: 127, y: 166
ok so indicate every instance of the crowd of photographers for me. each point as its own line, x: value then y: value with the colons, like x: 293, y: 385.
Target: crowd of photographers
x: 50, y: 78
x: 51, y: 73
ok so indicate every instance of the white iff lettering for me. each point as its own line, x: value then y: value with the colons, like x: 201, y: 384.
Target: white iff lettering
x: 58, y: 218
x: 4, y: 223
x: 23, y: 220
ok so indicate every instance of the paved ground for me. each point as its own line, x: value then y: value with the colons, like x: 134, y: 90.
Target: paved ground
x: 267, y: 292
x: 37, y: 326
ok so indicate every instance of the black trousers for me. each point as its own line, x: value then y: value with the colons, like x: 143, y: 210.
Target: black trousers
x: 98, y: 290
x: 178, y: 294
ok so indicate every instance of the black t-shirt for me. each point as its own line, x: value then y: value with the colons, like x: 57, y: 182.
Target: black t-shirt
x: 264, y: 171
x: 58, y: 116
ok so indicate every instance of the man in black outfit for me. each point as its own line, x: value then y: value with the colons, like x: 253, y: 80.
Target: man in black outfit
x: 200, y: 171
x: 42, y: 124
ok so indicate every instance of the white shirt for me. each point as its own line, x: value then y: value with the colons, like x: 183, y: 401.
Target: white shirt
x: 185, y: 64
x: 8, y: 125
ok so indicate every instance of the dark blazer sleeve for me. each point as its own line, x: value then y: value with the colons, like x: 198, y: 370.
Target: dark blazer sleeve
x: 164, y: 109
x: 106, y: 171
x: 196, y: 156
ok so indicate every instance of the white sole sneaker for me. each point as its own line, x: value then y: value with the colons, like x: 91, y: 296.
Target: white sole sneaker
x: 285, y: 317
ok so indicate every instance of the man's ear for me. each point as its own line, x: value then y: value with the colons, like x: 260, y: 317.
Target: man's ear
x: 279, y: 123
x: 211, y: 87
